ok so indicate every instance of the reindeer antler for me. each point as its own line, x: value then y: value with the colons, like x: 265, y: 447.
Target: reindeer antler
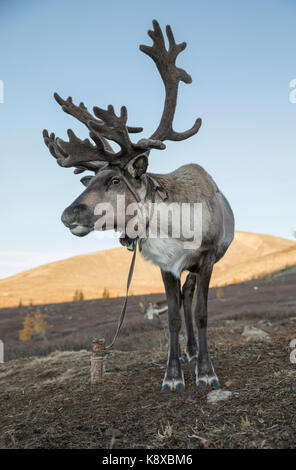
x: 77, y: 153
x: 81, y: 113
x: 84, y: 155
x: 114, y: 128
x: 171, y: 75
x: 65, y: 159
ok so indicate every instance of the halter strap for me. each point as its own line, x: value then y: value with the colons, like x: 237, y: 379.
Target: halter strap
x: 155, y: 187
x: 123, y: 310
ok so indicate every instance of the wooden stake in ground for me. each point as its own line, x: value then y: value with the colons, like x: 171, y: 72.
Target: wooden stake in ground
x: 1, y: 351
x: 97, y: 360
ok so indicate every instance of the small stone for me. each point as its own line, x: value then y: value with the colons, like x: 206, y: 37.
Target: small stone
x: 218, y: 395
x: 265, y: 323
x: 252, y: 333
x: 205, y: 443
x: 228, y: 383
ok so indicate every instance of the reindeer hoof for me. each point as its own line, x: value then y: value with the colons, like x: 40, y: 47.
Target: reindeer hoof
x: 215, y: 382
x: 173, y: 385
x: 202, y: 382
x: 205, y: 375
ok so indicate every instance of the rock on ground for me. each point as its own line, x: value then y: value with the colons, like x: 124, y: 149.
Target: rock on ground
x: 218, y: 395
x: 252, y: 333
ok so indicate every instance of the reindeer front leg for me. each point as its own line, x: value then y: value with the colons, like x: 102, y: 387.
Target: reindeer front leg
x: 174, y: 378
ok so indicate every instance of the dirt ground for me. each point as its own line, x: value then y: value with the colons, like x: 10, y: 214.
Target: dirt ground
x: 48, y: 402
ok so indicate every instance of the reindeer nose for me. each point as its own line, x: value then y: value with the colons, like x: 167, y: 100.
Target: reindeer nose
x: 78, y: 214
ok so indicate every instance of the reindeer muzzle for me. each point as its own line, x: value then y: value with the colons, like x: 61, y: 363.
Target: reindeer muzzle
x: 78, y: 219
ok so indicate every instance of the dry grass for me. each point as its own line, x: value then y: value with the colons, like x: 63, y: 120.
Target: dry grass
x: 165, y: 432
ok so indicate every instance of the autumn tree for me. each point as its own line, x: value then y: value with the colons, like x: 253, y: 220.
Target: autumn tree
x: 28, y: 328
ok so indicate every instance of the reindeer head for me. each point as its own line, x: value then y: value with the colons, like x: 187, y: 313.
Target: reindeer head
x: 121, y: 173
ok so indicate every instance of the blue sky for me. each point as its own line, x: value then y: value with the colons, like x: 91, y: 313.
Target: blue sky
x: 241, y: 56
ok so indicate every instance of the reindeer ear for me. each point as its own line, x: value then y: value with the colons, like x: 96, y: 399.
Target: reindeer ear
x: 85, y: 180
x: 138, y: 166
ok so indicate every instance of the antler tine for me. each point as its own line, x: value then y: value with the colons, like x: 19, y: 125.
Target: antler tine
x: 91, y: 166
x: 77, y: 151
x: 171, y: 75
x: 79, y: 112
x: 113, y: 127
x: 50, y: 142
x: 82, y: 114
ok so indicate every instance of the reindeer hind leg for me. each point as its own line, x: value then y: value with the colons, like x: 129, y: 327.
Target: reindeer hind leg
x: 205, y: 373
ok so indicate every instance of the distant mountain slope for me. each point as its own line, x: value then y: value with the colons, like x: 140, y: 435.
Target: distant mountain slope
x: 250, y: 255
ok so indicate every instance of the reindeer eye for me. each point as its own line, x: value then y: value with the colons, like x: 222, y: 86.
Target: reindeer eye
x: 115, y: 181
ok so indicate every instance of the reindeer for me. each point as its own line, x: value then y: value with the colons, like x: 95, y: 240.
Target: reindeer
x: 124, y: 173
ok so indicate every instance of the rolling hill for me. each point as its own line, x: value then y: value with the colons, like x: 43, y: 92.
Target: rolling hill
x: 250, y: 255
